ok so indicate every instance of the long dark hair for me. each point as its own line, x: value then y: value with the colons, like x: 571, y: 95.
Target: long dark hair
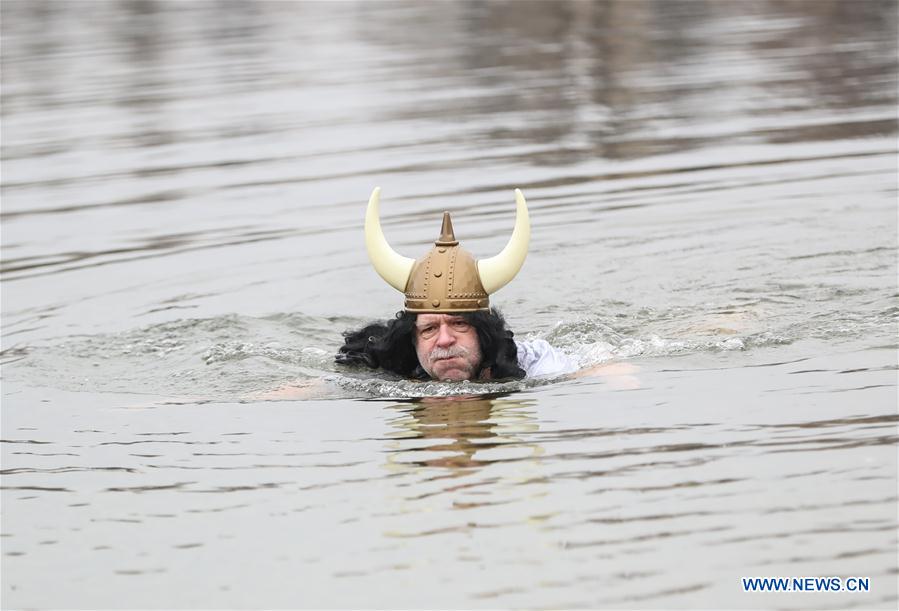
x: 391, y: 346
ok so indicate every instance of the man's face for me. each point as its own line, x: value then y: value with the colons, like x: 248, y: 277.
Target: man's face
x: 447, y: 346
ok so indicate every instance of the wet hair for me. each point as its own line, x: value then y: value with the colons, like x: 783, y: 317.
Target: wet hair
x: 391, y: 346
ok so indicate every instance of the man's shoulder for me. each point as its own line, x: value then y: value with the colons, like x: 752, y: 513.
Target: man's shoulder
x: 539, y: 358
x: 533, y: 346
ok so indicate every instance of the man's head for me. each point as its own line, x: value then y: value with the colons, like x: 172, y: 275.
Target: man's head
x: 448, y: 330
x: 447, y: 346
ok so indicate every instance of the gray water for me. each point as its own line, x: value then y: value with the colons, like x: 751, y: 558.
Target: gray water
x: 713, y: 198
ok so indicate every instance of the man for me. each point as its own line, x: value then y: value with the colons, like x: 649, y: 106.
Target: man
x: 447, y: 330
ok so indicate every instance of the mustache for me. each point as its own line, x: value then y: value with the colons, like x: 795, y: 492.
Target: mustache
x: 445, y: 353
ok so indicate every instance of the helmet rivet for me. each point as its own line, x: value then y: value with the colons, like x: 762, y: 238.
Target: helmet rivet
x: 435, y: 303
x: 438, y: 274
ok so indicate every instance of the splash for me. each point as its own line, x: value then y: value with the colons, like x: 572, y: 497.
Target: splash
x: 234, y: 357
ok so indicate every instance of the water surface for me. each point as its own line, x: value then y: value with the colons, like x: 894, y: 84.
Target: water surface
x: 713, y: 198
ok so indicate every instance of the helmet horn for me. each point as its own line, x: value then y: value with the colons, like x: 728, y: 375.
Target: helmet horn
x: 392, y: 266
x: 496, y: 272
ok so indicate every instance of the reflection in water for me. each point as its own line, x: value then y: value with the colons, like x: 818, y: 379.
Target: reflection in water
x: 625, y: 79
x: 458, y: 428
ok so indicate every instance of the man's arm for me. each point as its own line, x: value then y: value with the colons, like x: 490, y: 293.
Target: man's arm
x: 619, y: 376
x: 539, y: 359
x: 295, y: 391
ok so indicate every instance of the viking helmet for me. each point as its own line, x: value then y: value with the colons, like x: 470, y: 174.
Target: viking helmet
x: 448, y: 278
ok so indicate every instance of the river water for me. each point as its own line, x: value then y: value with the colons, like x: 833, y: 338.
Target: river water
x: 712, y: 188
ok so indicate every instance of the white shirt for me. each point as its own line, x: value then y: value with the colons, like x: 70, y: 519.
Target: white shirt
x: 538, y: 358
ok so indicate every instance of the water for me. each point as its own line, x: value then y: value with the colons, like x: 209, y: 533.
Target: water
x: 713, y: 197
